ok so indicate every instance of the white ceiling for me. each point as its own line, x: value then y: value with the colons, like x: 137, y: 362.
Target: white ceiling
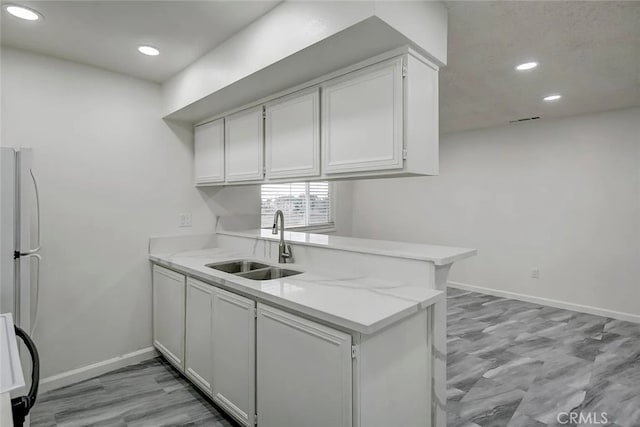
x: 106, y: 34
x: 588, y: 51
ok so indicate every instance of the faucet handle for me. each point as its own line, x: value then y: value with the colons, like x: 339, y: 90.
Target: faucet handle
x: 286, y: 254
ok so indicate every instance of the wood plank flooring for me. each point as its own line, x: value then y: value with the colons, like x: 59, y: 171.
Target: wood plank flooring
x: 151, y: 393
x: 516, y: 364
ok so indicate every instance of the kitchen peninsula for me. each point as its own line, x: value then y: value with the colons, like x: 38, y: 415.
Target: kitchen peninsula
x: 351, y: 333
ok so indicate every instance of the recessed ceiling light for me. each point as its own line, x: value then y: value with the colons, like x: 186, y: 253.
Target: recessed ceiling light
x: 22, y: 12
x: 552, y: 98
x: 148, y: 50
x: 527, y: 66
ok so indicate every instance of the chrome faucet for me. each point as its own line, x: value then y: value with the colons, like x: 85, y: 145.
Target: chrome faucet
x: 284, y: 250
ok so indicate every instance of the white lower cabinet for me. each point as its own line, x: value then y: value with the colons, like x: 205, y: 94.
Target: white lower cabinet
x: 304, y: 372
x: 288, y: 370
x: 233, y: 361
x: 199, y: 334
x: 169, y: 314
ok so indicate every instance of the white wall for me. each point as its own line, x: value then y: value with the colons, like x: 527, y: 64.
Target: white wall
x: 284, y: 30
x: 342, y: 198
x: 111, y: 174
x: 559, y: 195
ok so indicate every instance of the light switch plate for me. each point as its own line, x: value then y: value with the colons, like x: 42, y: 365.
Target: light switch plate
x: 184, y: 219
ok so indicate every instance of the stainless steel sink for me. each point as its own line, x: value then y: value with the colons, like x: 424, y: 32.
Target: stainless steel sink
x: 239, y: 266
x: 252, y: 270
x: 268, y: 273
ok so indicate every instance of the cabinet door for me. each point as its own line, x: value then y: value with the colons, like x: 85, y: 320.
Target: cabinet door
x: 199, y: 334
x: 244, y: 140
x: 168, y: 314
x: 209, y: 152
x: 292, y: 138
x: 234, y: 355
x: 362, y: 120
x: 304, y: 372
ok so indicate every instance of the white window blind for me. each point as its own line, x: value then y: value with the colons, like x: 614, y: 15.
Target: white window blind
x: 304, y: 204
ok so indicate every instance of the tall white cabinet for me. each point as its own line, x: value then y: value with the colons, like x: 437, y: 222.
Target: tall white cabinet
x: 169, y: 314
x: 362, y: 115
x: 209, y: 146
x: 244, y: 156
x: 292, y: 135
x: 314, y: 379
x: 199, y: 334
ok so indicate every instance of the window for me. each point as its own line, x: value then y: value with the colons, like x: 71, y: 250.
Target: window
x: 306, y: 205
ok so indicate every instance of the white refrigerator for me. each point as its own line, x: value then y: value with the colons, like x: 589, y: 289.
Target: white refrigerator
x: 19, y: 237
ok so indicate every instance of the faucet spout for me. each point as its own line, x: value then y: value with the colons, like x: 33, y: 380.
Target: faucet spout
x: 278, y: 215
x: 284, y: 250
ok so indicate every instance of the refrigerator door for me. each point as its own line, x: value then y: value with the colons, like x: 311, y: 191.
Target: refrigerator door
x: 8, y: 232
x: 16, y: 199
x: 25, y: 202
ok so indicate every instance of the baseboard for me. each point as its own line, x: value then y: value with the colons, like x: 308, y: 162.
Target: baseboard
x: 90, y: 371
x: 628, y: 317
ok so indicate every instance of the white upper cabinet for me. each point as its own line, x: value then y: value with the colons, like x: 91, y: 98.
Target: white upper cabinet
x: 244, y: 139
x: 362, y: 120
x: 292, y: 135
x: 377, y: 118
x: 209, y: 152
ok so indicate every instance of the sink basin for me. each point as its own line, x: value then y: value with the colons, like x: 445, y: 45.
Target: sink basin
x: 252, y: 270
x: 235, y: 267
x: 269, y: 273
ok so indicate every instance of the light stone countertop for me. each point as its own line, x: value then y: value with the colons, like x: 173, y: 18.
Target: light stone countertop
x: 439, y: 255
x: 356, y: 303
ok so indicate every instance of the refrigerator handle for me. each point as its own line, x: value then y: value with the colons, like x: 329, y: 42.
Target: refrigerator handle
x: 35, y: 187
x: 36, y: 310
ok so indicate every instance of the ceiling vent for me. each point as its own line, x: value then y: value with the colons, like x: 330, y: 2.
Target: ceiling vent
x: 526, y: 119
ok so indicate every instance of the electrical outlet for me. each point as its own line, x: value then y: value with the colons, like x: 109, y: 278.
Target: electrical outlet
x: 184, y: 219
x: 535, y: 273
